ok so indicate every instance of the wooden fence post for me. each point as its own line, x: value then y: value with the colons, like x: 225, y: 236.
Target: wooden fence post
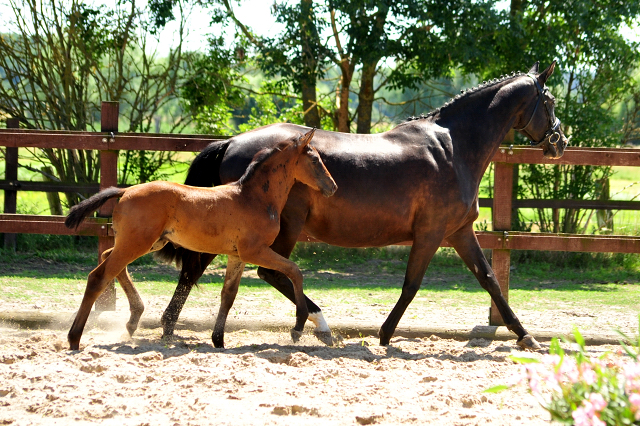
x: 108, y: 178
x: 11, y: 175
x: 502, y: 213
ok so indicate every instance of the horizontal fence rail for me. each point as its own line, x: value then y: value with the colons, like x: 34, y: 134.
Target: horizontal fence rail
x: 501, y: 240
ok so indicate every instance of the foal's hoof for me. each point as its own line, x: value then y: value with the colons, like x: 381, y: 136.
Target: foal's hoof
x: 528, y: 343
x: 295, y: 335
x: 327, y: 338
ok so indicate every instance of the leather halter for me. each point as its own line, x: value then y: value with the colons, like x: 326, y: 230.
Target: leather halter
x: 552, y: 135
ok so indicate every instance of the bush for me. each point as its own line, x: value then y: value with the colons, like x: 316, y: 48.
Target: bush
x: 586, y: 390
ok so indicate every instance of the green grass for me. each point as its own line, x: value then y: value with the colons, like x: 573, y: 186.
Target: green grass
x: 372, y: 277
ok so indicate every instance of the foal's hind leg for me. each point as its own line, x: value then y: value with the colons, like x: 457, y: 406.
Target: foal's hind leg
x: 468, y: 248
x: 98, y: 280
x: 136, y: 306
x: 193, y: 266
x: 235, y: 267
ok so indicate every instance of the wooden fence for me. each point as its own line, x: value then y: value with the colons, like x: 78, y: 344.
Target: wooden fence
x: 501, y: 240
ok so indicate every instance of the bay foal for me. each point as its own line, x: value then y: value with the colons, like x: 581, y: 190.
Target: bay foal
x: 241, y: 219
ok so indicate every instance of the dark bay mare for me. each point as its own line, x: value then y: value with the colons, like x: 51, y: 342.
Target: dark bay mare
x: 418, y: 181
x: 241, y: 219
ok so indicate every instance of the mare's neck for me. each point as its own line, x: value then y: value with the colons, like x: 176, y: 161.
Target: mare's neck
x: 479, y: 121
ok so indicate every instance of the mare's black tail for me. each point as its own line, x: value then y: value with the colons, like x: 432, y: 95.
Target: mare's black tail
x: 204, y: 171
x: 85, y: 208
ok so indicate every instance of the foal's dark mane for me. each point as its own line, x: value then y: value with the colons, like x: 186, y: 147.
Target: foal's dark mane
x: 467, y: 92
x: 260, y: 158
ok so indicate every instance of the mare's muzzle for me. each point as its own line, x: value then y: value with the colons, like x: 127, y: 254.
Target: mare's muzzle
x: 553, y: 142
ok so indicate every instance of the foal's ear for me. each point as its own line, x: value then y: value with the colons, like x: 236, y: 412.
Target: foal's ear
x: 534, y: 68
x: 305, y: 139
x: 544, y: 75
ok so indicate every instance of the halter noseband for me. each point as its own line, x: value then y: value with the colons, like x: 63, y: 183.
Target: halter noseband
x: 552, y: 135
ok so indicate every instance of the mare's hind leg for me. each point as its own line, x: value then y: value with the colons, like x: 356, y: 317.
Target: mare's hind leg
x: 422, y: 252
x: 235, y: 267
x: 467, y: 246
x: 136, y: 306
x: 264, y: 256
x: 291, y: 222
x: 193, y: 266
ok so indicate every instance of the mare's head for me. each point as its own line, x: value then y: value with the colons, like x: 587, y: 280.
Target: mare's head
x: 309, y: 168
x: 538, y: 121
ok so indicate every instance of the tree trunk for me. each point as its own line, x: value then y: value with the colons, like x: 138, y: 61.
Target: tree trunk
x: 308, y: 36
x: 55, y: 205
x: 365, y: 98
x: 342, y: 107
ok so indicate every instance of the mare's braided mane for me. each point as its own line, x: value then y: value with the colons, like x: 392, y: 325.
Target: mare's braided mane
x: 466, y: 92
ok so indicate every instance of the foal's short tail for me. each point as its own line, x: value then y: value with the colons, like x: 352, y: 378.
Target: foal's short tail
x: 205, y: 172
x: 85, y: 208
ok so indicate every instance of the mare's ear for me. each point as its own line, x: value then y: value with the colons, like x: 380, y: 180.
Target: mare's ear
x: 305, y: 139
x: 544, y: 75
x: 534, y: 68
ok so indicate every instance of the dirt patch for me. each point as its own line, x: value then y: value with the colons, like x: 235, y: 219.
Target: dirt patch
x: 260, y: 379
x: 263, y: 379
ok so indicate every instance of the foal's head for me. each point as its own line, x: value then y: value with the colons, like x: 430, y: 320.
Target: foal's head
x: 309, y: 168
x: 538, y: 122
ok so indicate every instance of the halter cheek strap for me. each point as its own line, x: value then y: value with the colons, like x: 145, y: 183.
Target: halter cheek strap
x: 552, y: 135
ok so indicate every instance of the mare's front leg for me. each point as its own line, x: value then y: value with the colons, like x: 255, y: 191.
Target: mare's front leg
x: 264, y: 256
x: 235, y: 267
x: 467, y: 246
x: 422, y: 251
x: 193, y: 266
x: 291, y: 223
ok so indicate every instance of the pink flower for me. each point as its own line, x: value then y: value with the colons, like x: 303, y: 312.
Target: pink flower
x: 569, y: 370
x: 581, y: 417
x: 634, y: 399
x: 597, y: 401
x: 589, y: 376
x: 586, y: 414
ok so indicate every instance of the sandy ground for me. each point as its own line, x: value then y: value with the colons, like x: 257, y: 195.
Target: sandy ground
x: 261, y: 378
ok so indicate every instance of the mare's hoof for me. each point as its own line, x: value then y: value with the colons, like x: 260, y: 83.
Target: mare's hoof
x: 295, y: 335
x: 218, y: 341
x: 528, y: 343
x: 327, y: 338
x: 384, y: 339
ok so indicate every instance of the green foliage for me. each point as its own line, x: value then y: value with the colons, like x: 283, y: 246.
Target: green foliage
x: 63, y: 58
x: 591, y: 82
x: 267, y: 108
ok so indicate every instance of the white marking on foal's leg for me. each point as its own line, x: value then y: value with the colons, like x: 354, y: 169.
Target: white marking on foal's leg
x: 318, y: 319
x: 322, y: 331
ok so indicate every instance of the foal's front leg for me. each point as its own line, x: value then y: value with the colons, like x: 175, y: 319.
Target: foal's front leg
x: 266, y: 257
x: 235, y: 267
